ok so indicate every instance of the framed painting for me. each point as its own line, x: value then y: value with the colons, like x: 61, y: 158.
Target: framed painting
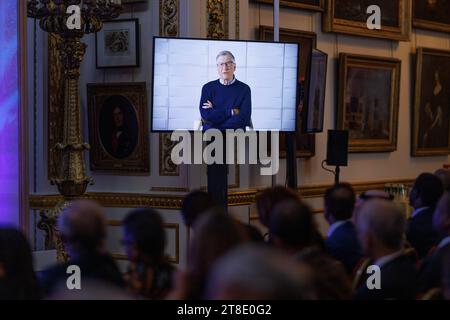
x: 368, y: 102
x: 117, y: 44
x: 306, y: 143
x: 118, y: 128
x: 350, y: 17
x: 431, y: 15
x: 431, y: 124
x: 313, y: 111
x: 316, y: 5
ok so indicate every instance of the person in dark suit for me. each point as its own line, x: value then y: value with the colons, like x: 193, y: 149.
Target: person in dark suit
x: 82, y: 225
x: 341, y: 242
x: 380, y: 228
x: 121, y: 140
x: 432, y: 268
x: 423, y: 198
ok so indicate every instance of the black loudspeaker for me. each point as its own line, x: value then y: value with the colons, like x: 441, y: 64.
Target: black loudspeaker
x: 337, y: 148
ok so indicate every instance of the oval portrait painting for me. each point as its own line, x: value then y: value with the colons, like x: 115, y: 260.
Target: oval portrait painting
x: 118, y: 126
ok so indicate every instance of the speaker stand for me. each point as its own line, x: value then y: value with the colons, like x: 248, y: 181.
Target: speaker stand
x: 218, y: 183
x: 217, y: 176
x: 291, y: 160
x: 337, y: 173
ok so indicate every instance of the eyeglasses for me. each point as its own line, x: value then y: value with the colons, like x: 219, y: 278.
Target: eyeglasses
x: 227, y: 64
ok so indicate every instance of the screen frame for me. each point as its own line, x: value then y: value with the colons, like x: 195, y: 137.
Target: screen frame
x: 152, y: 130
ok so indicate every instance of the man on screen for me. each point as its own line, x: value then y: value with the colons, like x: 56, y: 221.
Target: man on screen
x: 226, y: 102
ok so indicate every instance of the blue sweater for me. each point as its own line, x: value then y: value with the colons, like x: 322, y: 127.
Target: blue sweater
x: 224, y: 99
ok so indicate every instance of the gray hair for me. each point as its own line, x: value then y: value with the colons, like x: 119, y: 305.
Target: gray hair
x: 83, y: 222
x: 384, y: 221
x: 226, y: 53
x: 255, y: 272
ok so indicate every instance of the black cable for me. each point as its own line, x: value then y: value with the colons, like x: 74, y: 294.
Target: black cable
x: 333, y: 172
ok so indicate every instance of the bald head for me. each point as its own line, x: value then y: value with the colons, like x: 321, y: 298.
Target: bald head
x: 82, y: 224
x: 381, y: 222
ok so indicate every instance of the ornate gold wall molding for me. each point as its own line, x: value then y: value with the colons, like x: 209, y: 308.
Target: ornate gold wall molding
x: 55, y: 110
x: 169, y: 189
x: 169, y: 26
x: 217, y: 11
x: 166, y: 166
x: 169, y: 17
x: 173, y: 202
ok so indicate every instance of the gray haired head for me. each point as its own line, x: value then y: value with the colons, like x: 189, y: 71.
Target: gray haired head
x: 384, y: 221
x: 255, y: 272
x: 226, y: 53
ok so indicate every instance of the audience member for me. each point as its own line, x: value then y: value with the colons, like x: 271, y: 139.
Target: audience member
x: 425, y: 194
x: 269, y: 198
x: 17, y: 278
x: 292, y: 228
x: 82, y: 227
x: 253, y: 233
x: 258, y: 272
x: 380, y: 228
x: 194, y: 205
x: 330, y: 279
x: 216, y: 234
x: 149, y: 274
x: 431, y: 270
x: 342, y: 242
x: 444, y: 175
x: 91, y: 290
x: 446, y: 276
x: 368, y: 195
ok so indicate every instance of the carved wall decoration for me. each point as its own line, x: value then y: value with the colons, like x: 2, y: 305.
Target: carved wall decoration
x: 169, y: 26
x: 169, y: 18
x: 55, y: 109
x: 173, y: 202
x: 217, y: 19
x: 166, y: 166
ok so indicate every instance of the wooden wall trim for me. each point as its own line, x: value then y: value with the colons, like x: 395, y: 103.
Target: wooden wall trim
x: 173, y: 202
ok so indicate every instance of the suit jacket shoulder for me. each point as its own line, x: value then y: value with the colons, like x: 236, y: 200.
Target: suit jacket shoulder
x: 398, y: 282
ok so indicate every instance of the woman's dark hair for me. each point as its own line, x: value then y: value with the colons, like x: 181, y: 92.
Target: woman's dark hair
x: 146, y: 228
x: 292, y: 222
x: 269, y: 198
x: 17, y: 278
x: 216, y: 233
x: 194, y: 204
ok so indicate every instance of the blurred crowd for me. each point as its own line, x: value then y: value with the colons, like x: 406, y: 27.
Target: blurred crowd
x: 372, y: 250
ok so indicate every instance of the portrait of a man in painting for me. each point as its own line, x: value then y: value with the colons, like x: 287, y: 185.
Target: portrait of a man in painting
x: 117, y: 115
x: 118, y: 127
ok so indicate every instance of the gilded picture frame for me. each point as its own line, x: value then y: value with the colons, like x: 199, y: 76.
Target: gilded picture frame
x: 368, y: 102
x: 431, y: 15
x: 350, y: 17
x: 118, y: 128
x: 430, y: 128
x: 314, y: 5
